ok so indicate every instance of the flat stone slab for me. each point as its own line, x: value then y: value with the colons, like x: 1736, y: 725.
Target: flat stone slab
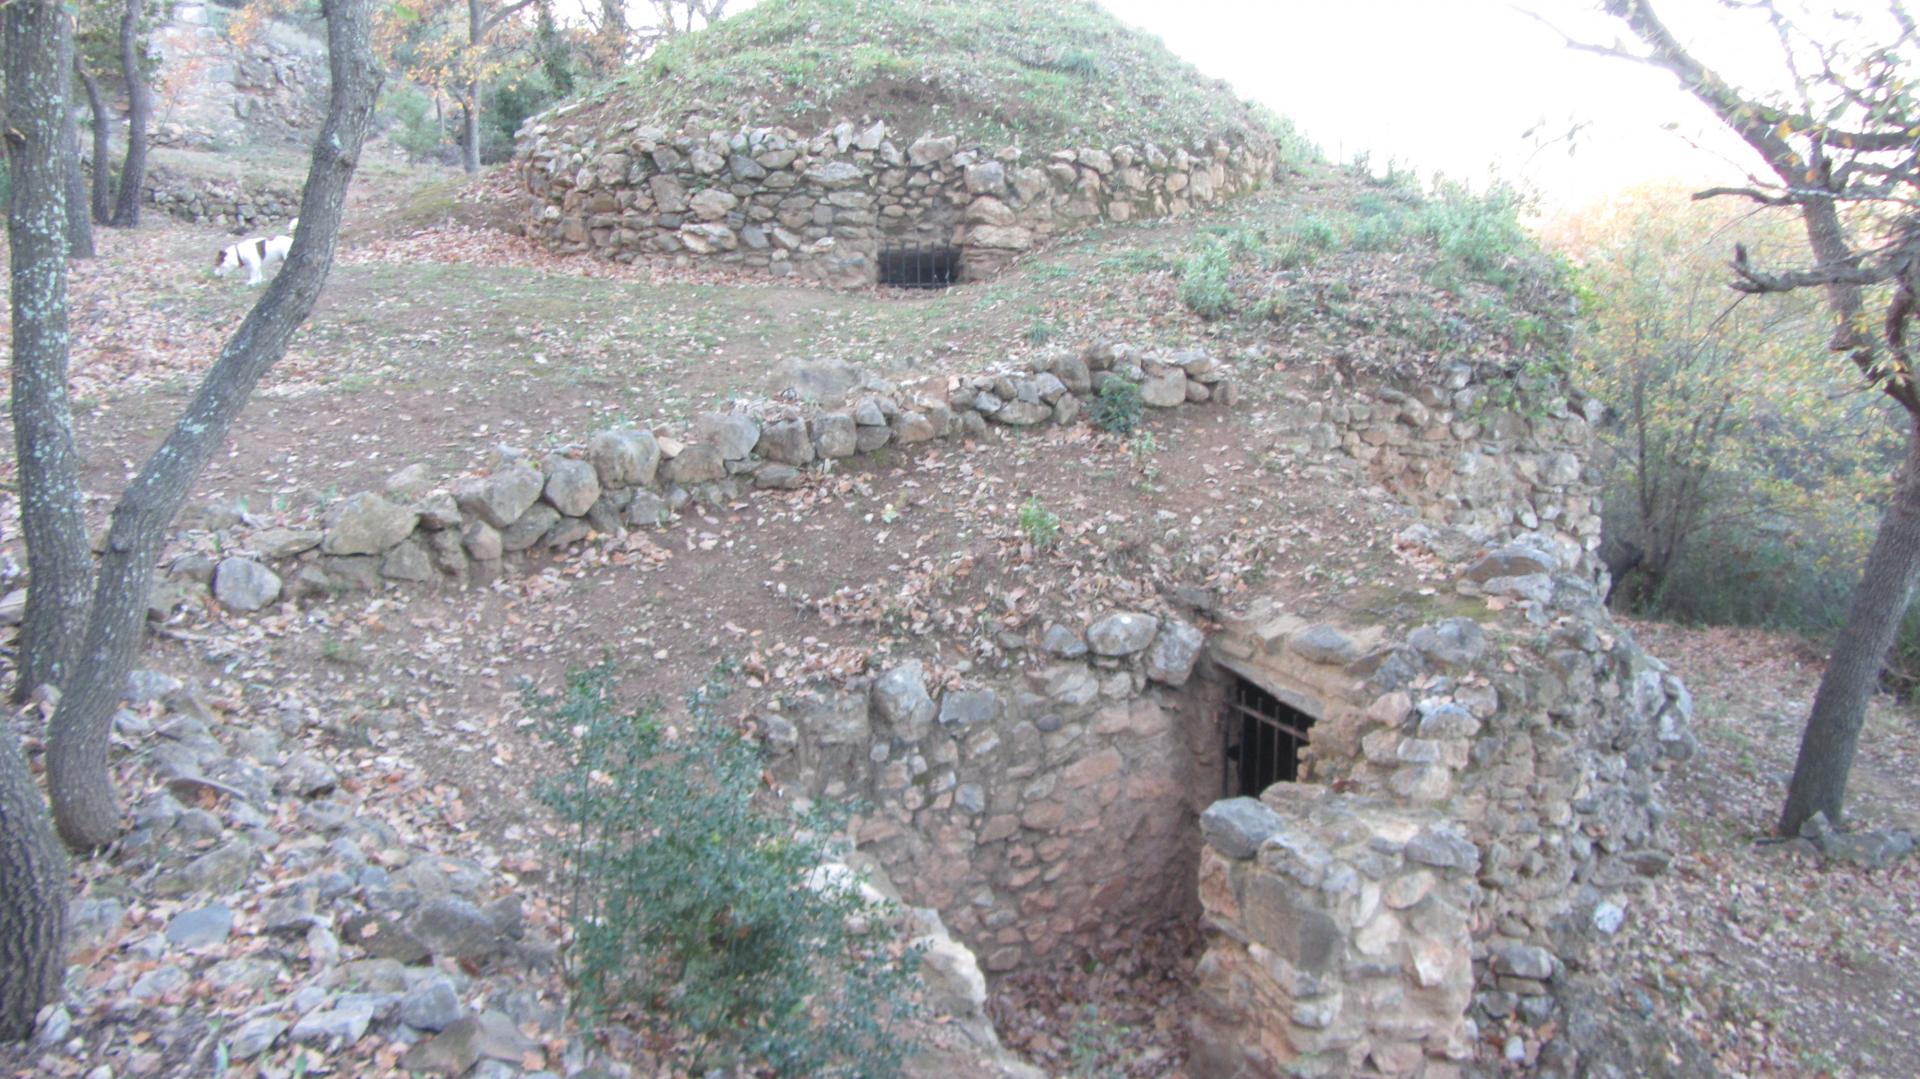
x: 1237, y: 826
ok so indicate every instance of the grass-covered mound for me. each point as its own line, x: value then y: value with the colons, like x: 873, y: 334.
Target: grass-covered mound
x: 1041, y: 74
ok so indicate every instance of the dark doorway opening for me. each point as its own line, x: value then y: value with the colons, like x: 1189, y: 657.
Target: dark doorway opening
x: 1261, y: 739
x: 919, y: 267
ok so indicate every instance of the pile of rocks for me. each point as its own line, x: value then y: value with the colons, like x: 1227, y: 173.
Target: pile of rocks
x: 263, y: 910
x: 269, y: 886
x: 621, y: 479
x: 822, y: 207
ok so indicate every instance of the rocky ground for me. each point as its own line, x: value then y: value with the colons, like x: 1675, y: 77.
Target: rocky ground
x: 336, y: 867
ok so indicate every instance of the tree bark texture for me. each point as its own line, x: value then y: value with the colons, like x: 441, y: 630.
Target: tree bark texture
x: 476, y: 33
x: 33, y: 897
x: 84, y: 804
x: 52, y: 520
x: 79, y: 221
x: 133, y: 172
x: 102, y: 146
x: 1874, y: 613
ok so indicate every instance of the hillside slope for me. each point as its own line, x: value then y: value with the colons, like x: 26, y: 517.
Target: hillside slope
x: 1045, y: 73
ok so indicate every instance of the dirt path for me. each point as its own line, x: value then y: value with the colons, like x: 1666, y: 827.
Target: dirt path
x: 1784, y: 965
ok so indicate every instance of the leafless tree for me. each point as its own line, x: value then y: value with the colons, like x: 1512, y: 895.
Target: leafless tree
x: 1840, y: 148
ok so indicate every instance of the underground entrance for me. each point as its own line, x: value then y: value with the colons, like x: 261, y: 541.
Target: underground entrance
x: 1261, y: 739
x: 919, y: 267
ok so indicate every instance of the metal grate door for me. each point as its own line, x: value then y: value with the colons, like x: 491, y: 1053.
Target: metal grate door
x: 1261, y: 739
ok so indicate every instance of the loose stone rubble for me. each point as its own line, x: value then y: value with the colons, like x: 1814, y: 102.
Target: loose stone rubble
x: 280, y: 898
x: 822, y: 207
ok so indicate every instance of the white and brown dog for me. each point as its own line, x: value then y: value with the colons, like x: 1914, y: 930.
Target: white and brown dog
x: 257, y: 254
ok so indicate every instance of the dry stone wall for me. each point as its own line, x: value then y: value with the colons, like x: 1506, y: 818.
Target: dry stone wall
x: 1458, y: 458
x: 414, y: 533
x: 219, y: 94
x: 1473, y: 788
x: 822, y: 207
x: 243, y: 206
x: 1035, y: 814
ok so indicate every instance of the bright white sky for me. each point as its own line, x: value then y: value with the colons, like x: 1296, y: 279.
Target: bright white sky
x: 1455, y: 85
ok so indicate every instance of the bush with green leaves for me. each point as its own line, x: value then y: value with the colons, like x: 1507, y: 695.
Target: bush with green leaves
x: 1480, y: 234
x: 1118, y: 407
x: 415, y: 127
x: 1041, y: 525
x: 1205, y: 281
x: 692, y: 903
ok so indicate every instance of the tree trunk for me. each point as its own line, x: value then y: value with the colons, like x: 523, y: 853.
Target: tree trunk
x: 84, y: 805
x: 1874, y: 613
x: 476, y: 32
x: 133, y: 173
x: 33, y: 904
x: 102, y: 146
x: 79, y: 221
x: 58, y: 561
x: 33, y: 901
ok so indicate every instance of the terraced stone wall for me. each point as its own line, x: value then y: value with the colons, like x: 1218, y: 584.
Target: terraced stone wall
x: 821, y: 207
x: 256, y: 208
x: 1460, y: 459
x: 417, y: 532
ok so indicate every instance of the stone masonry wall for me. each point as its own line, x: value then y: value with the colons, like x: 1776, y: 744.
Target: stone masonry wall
x: 1459, y: 461
x: 820, y: 207
x: 1026, y: 812
x: 217, y: 94
x: 1036, y: 814
x: 622, y: 479
x: 1473, y: 787
x: 248, y: 207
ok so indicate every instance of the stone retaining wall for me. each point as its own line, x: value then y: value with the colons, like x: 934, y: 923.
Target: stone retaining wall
x: 822, y: 207
x: 1458, y: 459
x: 1036, y: 814
x: 623, y: 479
x: 220, y: 95
x: 253, y: 208
x: 1473, y: 788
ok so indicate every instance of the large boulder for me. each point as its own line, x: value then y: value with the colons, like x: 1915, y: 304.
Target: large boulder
x: 366, y: 524
x: 624, y: 458
x: 501, y: 498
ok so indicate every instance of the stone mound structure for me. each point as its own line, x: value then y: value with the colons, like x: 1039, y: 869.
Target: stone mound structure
x: 1472, y: 785
x: 967, y: 169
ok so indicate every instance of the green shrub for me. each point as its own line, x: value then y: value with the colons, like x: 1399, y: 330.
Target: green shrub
x: 1479, y: 234
x: 1204, y: 277
x: 1118, y: 407
x: 1379, y: 232
x: 1041, y: 524
x: 415, y: 129
x: 693, y: 904
x: 1081, y: 62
